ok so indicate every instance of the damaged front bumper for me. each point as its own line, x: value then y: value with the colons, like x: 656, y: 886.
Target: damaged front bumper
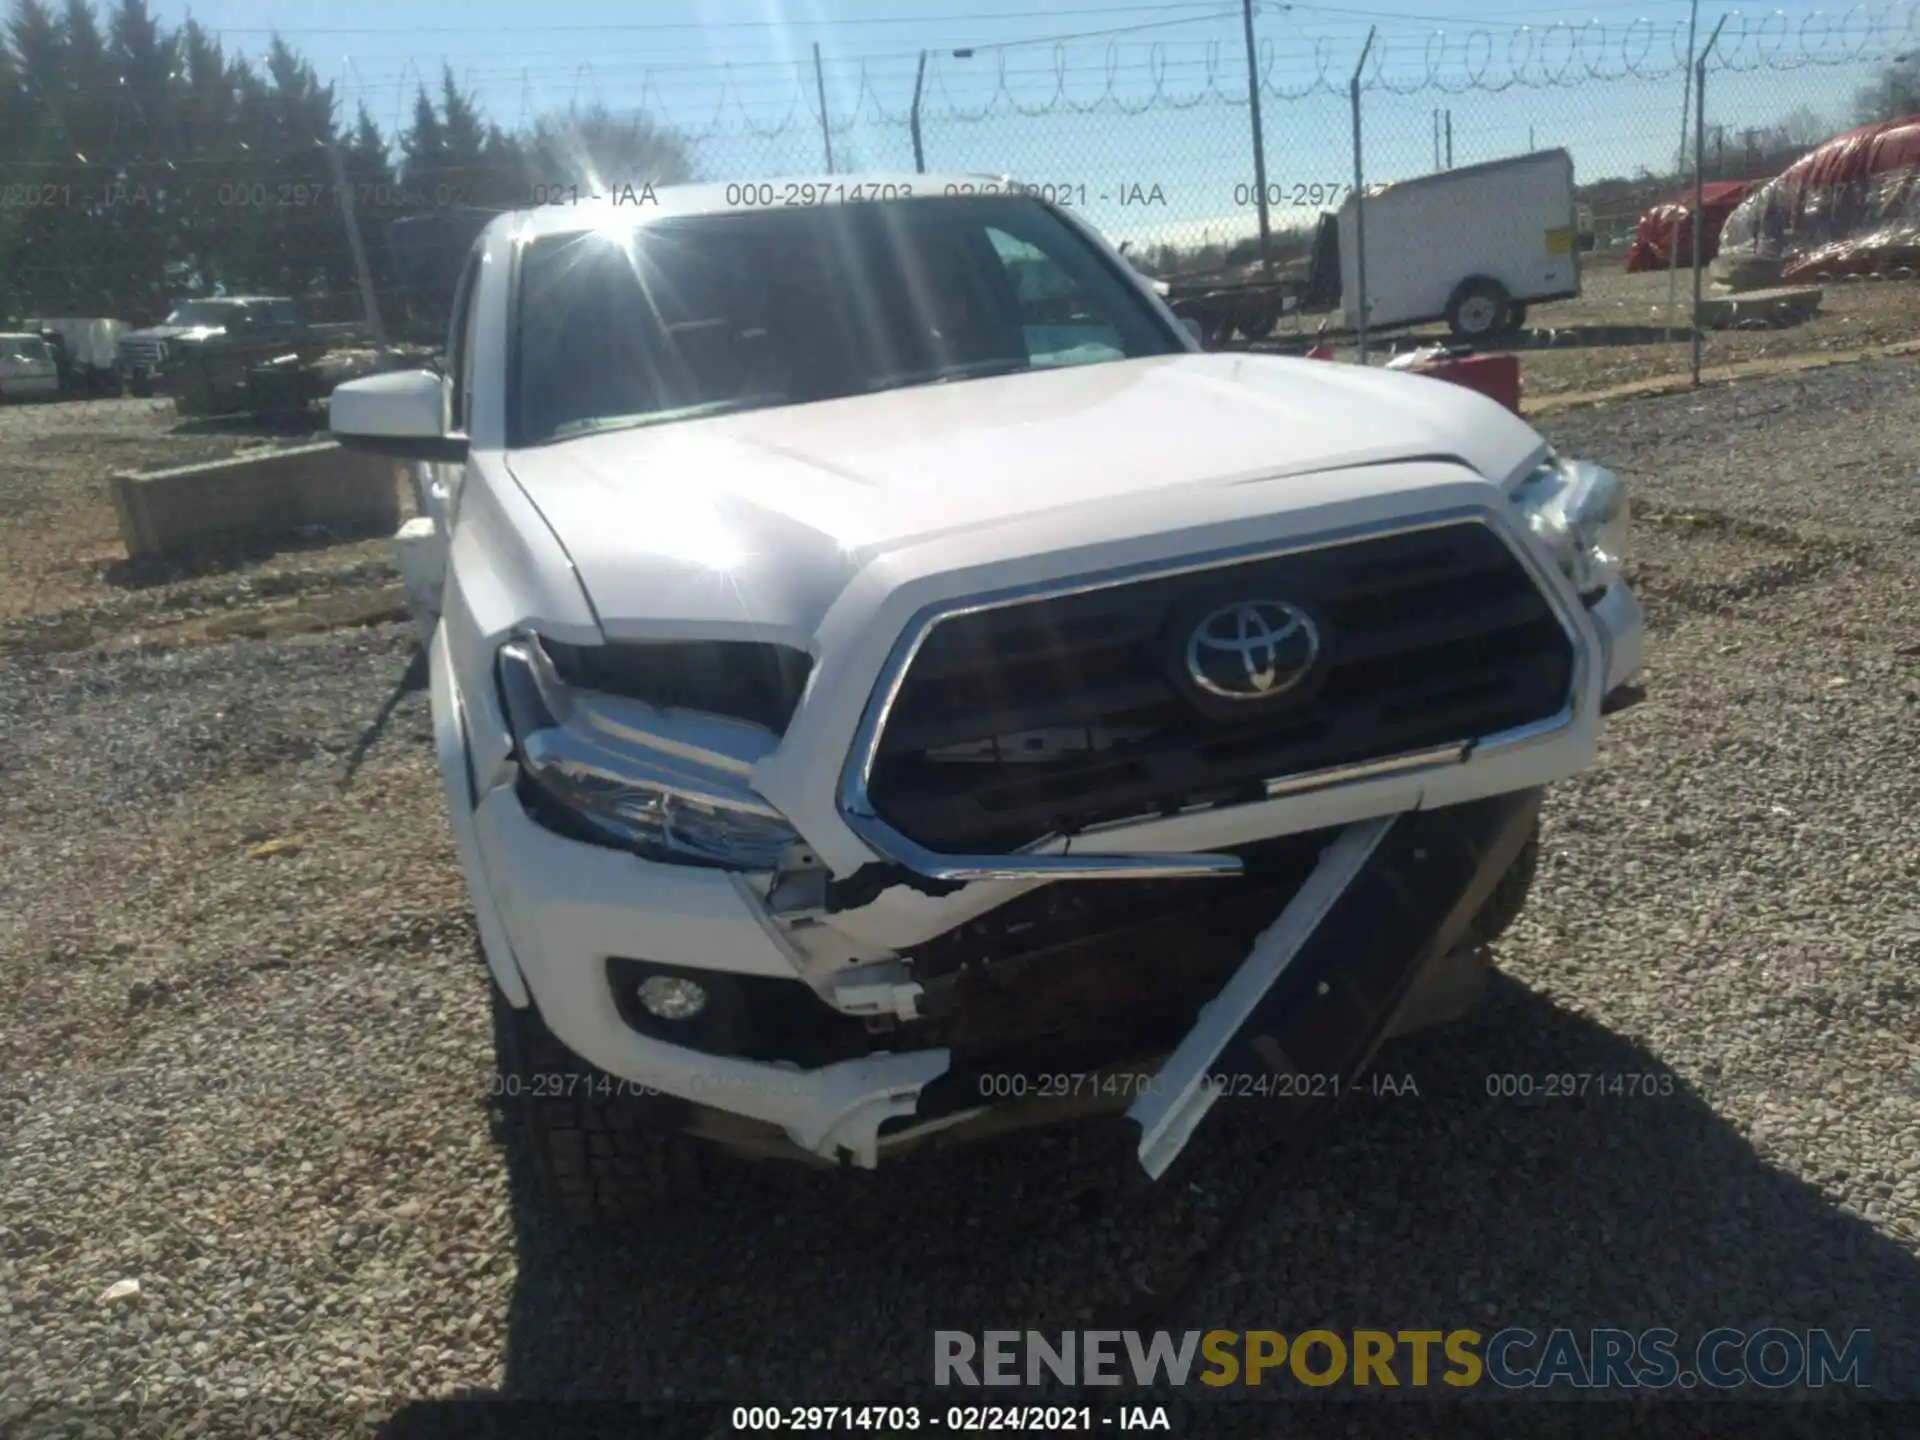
x: 1314, y: 990
x: 1324, y: 984
x: 1308, y: 973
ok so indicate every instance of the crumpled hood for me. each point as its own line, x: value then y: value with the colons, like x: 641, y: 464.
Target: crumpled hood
x: 762, y: 518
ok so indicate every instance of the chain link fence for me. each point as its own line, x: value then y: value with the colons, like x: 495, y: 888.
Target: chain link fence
x: 1217, y: 163
x: 1157, y: 145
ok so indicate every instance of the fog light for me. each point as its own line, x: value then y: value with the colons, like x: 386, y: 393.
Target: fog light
x: 672, y: 998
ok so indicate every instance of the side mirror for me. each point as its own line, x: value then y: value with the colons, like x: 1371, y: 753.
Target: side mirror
x: 1192, y: 327
x: 402, y: 415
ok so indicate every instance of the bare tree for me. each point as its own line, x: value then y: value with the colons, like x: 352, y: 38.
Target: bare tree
x: 599, y: 150
x: 1802, y: 128
x: 1893, y: 94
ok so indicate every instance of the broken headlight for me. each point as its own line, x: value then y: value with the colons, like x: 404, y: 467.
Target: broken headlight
x: 1578, y: 510
x: 671, y: 785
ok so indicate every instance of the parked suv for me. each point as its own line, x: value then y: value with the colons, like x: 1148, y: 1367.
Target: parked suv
x: 202, y: 351
x: 891, y: 684
x: 29, y: 368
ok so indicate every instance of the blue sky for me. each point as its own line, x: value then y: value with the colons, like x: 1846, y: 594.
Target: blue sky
x: 1128, y: 101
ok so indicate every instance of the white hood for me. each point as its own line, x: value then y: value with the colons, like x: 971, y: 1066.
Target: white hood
x: 760, y: 520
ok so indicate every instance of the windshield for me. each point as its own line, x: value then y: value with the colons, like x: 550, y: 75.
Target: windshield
x: 719, y: 313
x: 202, y: 312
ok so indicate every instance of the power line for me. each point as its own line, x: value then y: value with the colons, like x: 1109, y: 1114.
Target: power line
x: 651, y: 27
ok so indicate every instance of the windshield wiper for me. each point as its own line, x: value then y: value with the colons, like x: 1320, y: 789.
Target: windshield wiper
x: 595, y: 424
x: 977, y: 370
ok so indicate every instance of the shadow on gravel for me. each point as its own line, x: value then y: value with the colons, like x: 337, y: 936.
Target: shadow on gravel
x: 412, y: 680
x: 1452, y: 1209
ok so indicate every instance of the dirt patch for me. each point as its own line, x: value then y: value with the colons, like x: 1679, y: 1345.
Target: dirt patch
x: 348, y: 610
x: 66, y: 583
x: 1705, y: 561
x: 332, y: 590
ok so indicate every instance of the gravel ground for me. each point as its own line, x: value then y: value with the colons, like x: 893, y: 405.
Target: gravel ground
x: 66, y: 583
x: 246, y: 1049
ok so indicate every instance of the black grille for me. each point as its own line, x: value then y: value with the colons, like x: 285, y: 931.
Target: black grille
x: 1048, y: 717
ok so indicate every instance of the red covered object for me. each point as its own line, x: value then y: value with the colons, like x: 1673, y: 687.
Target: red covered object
x: 1497, y: 376
x: 1654, y: 235
x: 1851, y: 207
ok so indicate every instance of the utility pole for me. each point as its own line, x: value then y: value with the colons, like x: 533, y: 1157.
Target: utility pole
x: 1449, y: 139
x: 369, y: 301
x: 1436, y: 137
x: 820, y: 84
x: 1360, y: 200
x: 1259, y: 142
x: 919, y: 82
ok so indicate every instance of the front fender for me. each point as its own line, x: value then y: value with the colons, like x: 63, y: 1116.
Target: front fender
x: 457, y: 781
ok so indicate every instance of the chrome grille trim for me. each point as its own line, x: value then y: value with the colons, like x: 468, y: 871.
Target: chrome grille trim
x: 1035, y: 862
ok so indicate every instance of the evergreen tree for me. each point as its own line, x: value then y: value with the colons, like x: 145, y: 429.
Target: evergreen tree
x: 151, y: 166
x: 134, y: 217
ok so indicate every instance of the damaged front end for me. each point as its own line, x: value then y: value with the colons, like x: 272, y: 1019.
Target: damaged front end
x: 1162, y: 997
x: 1096, y: 885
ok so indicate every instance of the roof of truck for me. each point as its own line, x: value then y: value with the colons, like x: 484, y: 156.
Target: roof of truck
x: 639, y: 204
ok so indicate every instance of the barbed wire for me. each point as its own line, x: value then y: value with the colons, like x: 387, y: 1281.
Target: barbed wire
x: 1485, y: 59
x: 1132, y: 79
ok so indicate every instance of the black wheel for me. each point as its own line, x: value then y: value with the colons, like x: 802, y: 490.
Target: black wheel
x: 1516, y: 315
x: 599, y: 1150
x: 140, y: 389
x: 1509, y: 896
x: 1258, y: 327
x: 1215, y: 331
x: 1451, y: 988
x: 1479, y: 308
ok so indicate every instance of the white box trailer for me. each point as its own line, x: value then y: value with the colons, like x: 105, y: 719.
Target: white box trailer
x: 1473, y: 246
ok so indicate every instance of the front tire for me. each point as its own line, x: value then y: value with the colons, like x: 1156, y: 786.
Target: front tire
x: 600, y: 1158
x: 1451, y: 988
x: 1509, y: 896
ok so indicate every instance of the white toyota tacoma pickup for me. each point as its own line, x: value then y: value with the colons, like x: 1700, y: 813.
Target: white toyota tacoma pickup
x: 889, y: 682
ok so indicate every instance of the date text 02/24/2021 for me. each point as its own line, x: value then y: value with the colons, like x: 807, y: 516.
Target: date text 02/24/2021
x: 1264, y: 1085
x: 954, y: 1419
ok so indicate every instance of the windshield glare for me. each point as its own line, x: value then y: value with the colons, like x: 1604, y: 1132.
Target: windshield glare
x: 714, y: 314
x: 201, y: 312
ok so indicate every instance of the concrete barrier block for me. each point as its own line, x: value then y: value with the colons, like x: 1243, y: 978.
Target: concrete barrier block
x: 262, y: 495
x: 1759, y: 309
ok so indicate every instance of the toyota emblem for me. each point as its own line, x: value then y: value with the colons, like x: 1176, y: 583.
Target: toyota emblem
x: 1252, y: 650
